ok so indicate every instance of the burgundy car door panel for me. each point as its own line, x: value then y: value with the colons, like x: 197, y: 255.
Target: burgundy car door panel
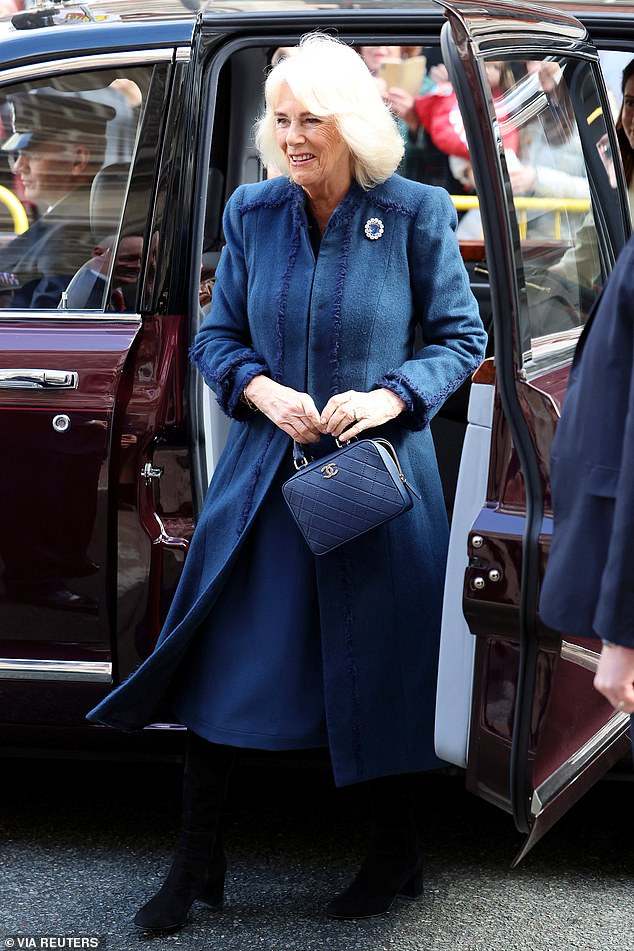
x: 539, y: 734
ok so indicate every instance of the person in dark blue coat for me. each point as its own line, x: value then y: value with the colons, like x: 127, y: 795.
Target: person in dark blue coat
x: 327, y: 272
x: 57, y: 146
x: 589, y: 583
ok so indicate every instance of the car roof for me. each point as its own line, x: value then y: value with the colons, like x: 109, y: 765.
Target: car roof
x: 108, y: 10
x: 139, y: 11
x: 75, y: 28
x: 64, y: 30
x: 609, y: 19
x: 220, y: 8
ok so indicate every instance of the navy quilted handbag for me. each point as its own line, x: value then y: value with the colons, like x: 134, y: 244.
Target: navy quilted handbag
x: 347, y: 493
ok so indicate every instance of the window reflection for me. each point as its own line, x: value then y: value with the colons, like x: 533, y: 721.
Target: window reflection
x: 65, y: 156
x: 562, y: 140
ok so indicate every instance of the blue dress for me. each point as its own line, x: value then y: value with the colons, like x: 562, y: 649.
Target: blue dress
x: 253, y: 676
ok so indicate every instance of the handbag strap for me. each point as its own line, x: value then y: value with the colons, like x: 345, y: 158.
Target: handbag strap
x: 300, y: 459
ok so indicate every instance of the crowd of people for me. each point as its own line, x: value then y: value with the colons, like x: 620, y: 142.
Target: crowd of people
x: 543, y: 155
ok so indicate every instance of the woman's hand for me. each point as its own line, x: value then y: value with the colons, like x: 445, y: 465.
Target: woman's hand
x: 293, y: 412
x: 348, y: 414
x: 523, y: 179
x: 403, y: 105
x: 438, y: 73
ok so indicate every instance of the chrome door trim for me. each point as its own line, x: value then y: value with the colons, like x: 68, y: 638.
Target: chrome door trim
x: 27, y: 379
x: 67, y: 317
x: 565, y: 774
x: 93, y: 61
x: 581, y: 656
x: 20, y: 668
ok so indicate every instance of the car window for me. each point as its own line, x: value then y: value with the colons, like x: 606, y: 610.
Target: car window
x: 560, y: 172
x: 65, y: 155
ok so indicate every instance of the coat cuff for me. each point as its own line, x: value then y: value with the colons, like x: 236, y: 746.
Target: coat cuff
x: 614, y: 627
x: 415, y: 415
x: 421, y: 407
x: 230, y: 378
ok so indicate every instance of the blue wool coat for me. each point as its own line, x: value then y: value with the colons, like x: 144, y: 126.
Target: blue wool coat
x: 344, y: 321
x: 589, y: 583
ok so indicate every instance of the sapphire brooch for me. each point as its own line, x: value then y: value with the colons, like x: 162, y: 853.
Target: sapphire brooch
x: 374, y: 229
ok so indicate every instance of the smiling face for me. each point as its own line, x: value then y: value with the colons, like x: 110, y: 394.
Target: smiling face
x: 627, y: 112
x: 46, y: 171
x: 318, y: 157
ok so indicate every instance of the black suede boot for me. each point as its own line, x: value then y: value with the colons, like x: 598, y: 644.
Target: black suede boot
x: 199, y: 866
x: 393, y: 866
x: 213, y: 890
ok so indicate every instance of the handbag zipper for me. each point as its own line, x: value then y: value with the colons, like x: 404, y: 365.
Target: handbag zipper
x: 409, y: 486
x: 392, y: 451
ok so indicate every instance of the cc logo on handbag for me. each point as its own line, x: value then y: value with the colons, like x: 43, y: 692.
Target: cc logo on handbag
x: 329, y: 471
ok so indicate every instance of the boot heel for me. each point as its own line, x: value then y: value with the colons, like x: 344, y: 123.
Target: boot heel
x: 414, y: 887
x: 213, y: 893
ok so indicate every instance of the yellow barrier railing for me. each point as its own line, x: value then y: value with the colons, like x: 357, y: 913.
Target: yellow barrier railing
x: 16, y: 210
x: 524, y: 204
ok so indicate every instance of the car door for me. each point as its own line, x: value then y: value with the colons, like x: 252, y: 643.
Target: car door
x: 78, y: 368
x: 536, y: 735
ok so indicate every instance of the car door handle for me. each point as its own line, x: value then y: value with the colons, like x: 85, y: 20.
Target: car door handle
x: 39, y: 379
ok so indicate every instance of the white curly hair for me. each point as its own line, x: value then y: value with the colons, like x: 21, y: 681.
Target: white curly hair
x: 331, y: 80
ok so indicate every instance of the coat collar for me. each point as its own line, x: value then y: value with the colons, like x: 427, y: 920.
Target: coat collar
x: 344, y: 210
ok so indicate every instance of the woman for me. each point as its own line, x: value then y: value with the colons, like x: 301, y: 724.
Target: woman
x: 625, y: 131
x: 580, y: 265
x: 325, y: 273
x: 437, y: 111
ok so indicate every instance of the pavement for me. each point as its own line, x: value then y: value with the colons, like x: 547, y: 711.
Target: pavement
x: 84, y: 844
